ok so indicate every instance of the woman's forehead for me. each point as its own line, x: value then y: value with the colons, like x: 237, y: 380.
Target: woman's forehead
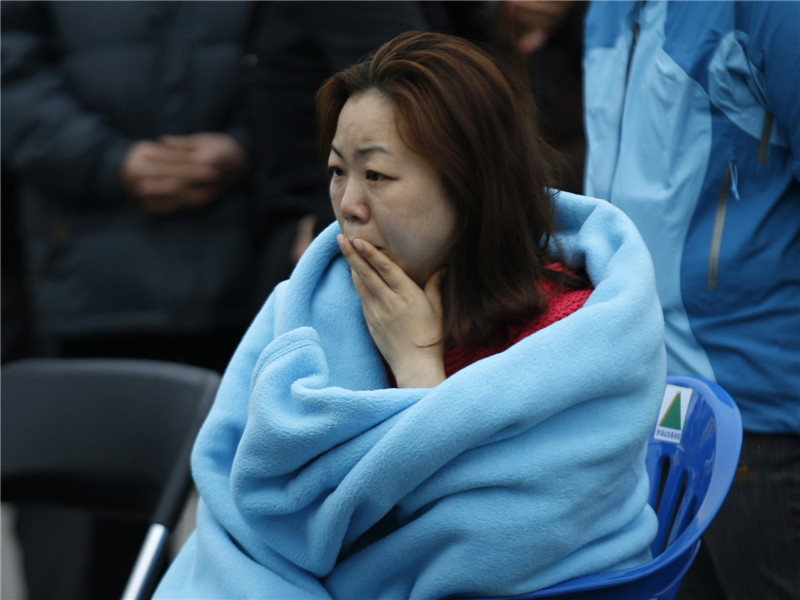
x: 367, y: 124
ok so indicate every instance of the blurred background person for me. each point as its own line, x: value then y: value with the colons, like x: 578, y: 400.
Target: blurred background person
x: 693, y: 123
x: 548, y: 36
x: 291, y: 48
x: 124, y: 127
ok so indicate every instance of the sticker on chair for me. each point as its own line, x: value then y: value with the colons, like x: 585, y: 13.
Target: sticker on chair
x: 673, y: 413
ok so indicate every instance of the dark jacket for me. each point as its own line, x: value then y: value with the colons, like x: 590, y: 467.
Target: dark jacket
x: 292, y: 48
x: 81, y: 82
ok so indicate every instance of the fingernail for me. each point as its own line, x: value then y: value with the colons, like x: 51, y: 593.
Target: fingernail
x: 340, y: 240
x: 359, y: 245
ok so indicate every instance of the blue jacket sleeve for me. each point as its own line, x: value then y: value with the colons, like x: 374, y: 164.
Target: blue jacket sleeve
x: 47, y: 135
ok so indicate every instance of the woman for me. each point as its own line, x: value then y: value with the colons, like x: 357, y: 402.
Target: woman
x: 434, y: 404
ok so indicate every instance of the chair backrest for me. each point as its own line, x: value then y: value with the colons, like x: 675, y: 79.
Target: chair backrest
x: 691, y: 460
x: 112, y: 436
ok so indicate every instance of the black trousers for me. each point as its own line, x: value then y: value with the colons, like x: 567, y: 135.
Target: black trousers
x: 751, y: 551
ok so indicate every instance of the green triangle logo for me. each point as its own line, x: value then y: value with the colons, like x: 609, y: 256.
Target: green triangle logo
x: 672, y: 418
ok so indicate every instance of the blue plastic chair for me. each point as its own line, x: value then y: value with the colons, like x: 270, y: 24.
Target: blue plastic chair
x: 690, y: 474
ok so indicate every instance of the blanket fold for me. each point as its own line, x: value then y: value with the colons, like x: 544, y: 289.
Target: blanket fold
x: 521, y: 470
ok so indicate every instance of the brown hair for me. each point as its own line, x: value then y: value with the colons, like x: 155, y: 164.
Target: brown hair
x: 475, y: 123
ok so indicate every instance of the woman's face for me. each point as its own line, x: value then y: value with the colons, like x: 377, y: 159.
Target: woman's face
x: 385, y: 193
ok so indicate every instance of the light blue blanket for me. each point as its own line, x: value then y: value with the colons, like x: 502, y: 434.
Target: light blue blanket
x: 521, y: 470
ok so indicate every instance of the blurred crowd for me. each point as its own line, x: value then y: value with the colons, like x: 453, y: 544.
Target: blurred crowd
x: 160, y: 175
x: 160, y: 169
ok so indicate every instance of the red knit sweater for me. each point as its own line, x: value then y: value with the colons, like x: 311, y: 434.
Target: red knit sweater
x: 562, y: 302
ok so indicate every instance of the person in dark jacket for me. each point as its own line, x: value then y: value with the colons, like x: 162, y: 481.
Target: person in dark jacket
x: 124, y: 126
x: 292, y: 47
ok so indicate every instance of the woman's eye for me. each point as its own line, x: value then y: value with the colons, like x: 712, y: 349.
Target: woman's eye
x: 334, y: 172
x: 375, y: 176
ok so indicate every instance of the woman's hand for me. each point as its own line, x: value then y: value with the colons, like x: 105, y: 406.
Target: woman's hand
x: 404, y: 320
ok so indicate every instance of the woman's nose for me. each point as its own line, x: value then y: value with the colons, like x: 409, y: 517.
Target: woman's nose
x: 354, y: 205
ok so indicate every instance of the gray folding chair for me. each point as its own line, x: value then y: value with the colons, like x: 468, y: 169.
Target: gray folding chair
x: 111, y: 436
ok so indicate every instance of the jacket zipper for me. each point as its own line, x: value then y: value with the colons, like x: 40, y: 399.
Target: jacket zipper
x: 633, y: 46
x: 766, y: 134
x: 729, y: 183
x: 635, y: 27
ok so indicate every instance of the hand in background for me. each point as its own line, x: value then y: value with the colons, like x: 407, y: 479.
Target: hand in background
x: 217, y: 150
x: 304, y: 237
x: 530, y: 23
x: 181, y: 172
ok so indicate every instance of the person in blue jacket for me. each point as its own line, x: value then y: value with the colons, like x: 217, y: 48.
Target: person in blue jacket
x: 693, y: 124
